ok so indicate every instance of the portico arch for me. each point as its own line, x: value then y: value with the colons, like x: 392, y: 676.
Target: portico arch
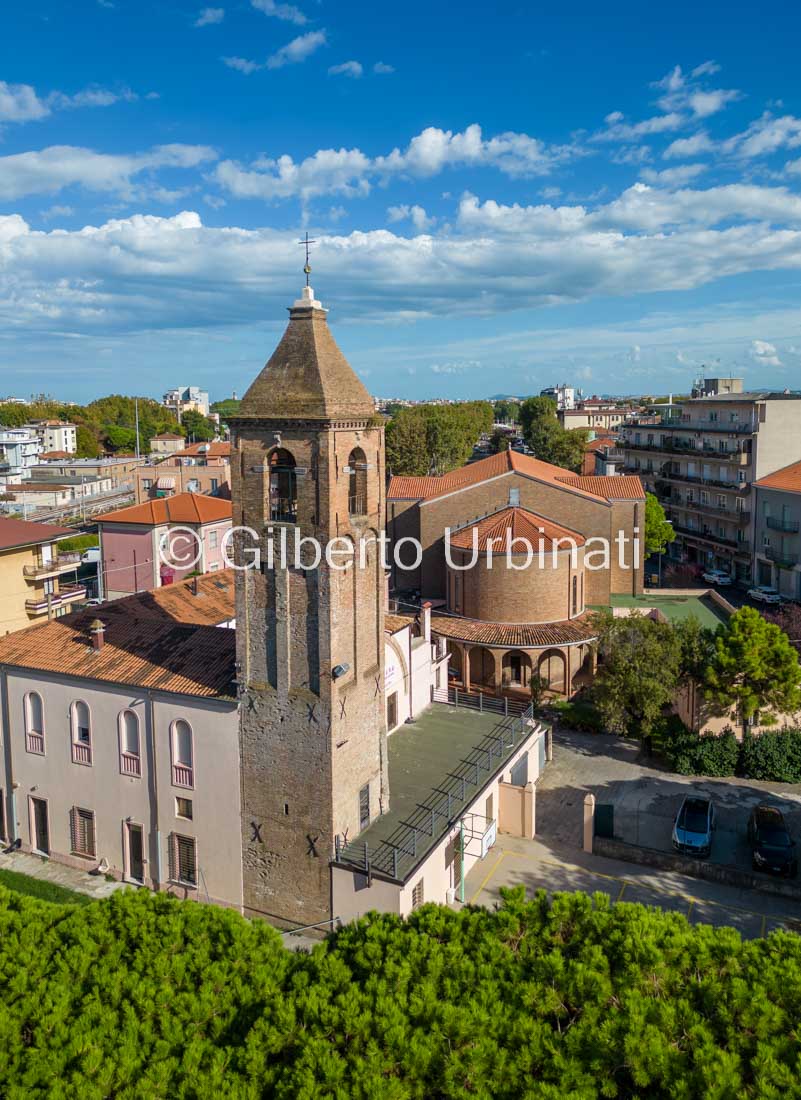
x: 552, y: 666
x: 482, y: 667
x: 516, y: 667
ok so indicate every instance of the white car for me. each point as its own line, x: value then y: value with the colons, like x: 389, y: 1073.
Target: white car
x: 764, y: 593
x: 716, y: 576
x: 91, y: 556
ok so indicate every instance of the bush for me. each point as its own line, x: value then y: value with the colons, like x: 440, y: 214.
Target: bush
x: 578, y: 714
x: 143, y: 995
x: 689, y: 754
x: 775, y: 755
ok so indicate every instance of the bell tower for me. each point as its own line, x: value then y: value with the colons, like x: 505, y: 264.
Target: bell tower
x: 307, y: 464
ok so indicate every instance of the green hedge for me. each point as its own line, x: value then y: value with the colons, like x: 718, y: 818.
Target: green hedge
x: 579, y: 714
x: 141, y: 995
x: 774, y: 755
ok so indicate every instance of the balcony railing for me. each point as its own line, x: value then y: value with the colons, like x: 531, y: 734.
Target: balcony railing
x: 34, y: 742
x: 699, y: 479
x: 781, y: 557
x: 357, y: 504
x: 708, y: 426
x: 182, y: 775
x: 67, y: 593
x: 732, y: 514
x: 81, y: 753
x: 740, y: 545
x: 130, y: 764
x: 60, y: 564
x: 777, y: 524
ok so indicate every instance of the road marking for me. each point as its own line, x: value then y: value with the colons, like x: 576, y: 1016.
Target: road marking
x: 622, y: 888
x: 488, y: 876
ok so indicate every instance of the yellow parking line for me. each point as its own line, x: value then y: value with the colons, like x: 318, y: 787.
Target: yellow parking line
x: 622, y: 888
x: 488, y: 876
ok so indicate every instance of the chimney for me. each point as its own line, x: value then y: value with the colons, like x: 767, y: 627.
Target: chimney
x: 426, y: 620
x: 97, y: 629
x: 194, y: 585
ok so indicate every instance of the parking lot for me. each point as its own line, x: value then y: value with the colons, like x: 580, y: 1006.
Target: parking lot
x: 645, y: 800
x: 536, y: 865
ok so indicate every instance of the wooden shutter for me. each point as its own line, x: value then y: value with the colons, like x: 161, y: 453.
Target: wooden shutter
x: 183, y: 859
x: 82, y: 831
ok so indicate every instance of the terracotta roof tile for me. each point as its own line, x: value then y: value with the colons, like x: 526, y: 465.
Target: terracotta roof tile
x: 20, y: 532
x: 518, y: 523
x: 181, y: 508
x: 514, y: 635
x: 213, y: 450
x: 788, y: 478
x: 166, y: 639
x: 394, y: 622
x: 610, y: 488
x: 428, y: 488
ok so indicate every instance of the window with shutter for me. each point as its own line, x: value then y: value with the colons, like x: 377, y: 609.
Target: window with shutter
x: 83, y: 832
x: 183, y: 859
x: 417, y: 895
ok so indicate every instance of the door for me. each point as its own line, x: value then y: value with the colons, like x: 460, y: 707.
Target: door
x: 41, y: 828
x: 136, y: 853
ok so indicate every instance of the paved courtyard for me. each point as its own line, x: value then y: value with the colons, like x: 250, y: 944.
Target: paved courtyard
x: 513, y: 862
x: 95, y: 886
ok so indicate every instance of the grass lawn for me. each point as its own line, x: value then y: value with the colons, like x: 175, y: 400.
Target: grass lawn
x: 41, y: 889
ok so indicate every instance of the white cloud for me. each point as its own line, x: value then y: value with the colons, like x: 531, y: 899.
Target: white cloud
x: 51, y: 170
x: 704, y: 104
x: 793, y: 167
x: 209, y: 16
x: 764, y: 136
x: 347, y: 68
x: 707, y: 68
x: 242, y: 65
x: 689, y: 147
x: 90, y: 97
x: 56, y: 212
x: 415, y: 214
x: 297, y: 50
x: 381, y: 67
x: 350, y: 172
x: 618, y: 130
x: 20, y: 103
x: 287, y: 12
x: 764, y: 354
x: 681, y: 93
x: 673, y: 177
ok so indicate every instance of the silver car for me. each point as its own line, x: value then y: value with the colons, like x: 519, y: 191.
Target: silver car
x: 693, y: 827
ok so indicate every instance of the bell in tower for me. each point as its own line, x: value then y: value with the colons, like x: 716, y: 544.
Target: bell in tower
x: 308, y: 469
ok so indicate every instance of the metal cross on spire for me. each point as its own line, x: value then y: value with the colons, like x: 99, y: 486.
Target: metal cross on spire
x: 307, y: 266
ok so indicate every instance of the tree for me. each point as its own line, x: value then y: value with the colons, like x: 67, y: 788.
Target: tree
x: 696, y: 647
x: 86, y: 442
x: 499, y: 441
x: 435, y: 438
x: 638, y: 673
x: 406, y: 446
x: 120, y: 439
x: 505, y: 411
x: 535, y: 410
x: 226, y: 408
x: 197, y: 427
x: 658, y: 531
x: 788, y: 619
x: 546, y: 437
x: 753, y: 667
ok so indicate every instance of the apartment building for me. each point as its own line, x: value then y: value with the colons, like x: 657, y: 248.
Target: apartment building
x: 186, y: 398
x: 200, y: 468
x: 167, y: 443
x: 118, y: 468
x: 33, y: 574
x: 19, y: 452
x: 777, y: 522
x: 702, y: 464
x: 55, y: 435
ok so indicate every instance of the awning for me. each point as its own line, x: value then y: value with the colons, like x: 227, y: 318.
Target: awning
x: 165, y: 483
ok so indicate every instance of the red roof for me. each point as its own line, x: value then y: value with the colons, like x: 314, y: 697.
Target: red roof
x: 213, y: 450
x: 181, y: 508
x: 515, y: 523
x: 20, y: 532
x: 788, y: 478
x: 504, y: 462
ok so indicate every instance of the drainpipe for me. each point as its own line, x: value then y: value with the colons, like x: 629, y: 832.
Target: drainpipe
x: 154, y: 771
x: 461, y: 857
x: 11, y: 808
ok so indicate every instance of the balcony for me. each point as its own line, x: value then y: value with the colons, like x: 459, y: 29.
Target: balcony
x: 781, y: 557
x: 777, y: 524
x: 130, y: 764
x: 34, y: 742
x: 182, y: 776
x: 67, y: 594
x: 711, y: 537
x: 82, y: 753
x: 709, y: 426
x: 357, y: 504
x: 699, y: 479
x: 61, y: 564
x: 713, y: 509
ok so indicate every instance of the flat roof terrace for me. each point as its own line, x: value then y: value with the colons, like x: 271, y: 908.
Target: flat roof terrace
x: 437, y: 765
x: 676, y: 606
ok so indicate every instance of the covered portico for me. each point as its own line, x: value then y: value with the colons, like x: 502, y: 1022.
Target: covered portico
x: 502, y: 658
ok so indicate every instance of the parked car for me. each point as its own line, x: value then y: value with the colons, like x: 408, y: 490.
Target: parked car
x: 716, y: 576
x: 772, y: 847
x: 765, y: 593
x: 694, y: 825
x: 91, y: 556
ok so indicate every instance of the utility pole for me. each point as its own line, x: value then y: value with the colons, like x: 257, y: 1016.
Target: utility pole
x: 136, y: 414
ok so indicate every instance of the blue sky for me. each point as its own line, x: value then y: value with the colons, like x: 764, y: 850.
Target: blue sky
x: 502, y: 199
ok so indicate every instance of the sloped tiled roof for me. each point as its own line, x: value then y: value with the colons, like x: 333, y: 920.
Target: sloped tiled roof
x: 610, y: 488
x: 514, y: 523
x: 211, y: 450
x: 394, y: 622
x: 20, y: 532
x: 200, y: 601
x: 788, y: 478
x: 514, y: 635
x: 428, y: 488
x: 181, y: 508
x: 139, y: 650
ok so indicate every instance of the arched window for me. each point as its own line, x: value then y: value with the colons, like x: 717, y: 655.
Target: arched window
x: 283, y: 487
x: 34, y: 723
x: 357, y: 482
x: 183, y: 767
x: 81, y: 730
x: 575, y: 596
x: 130, y: 754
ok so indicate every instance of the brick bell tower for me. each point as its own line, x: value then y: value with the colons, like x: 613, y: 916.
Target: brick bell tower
x: 308, y: 462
